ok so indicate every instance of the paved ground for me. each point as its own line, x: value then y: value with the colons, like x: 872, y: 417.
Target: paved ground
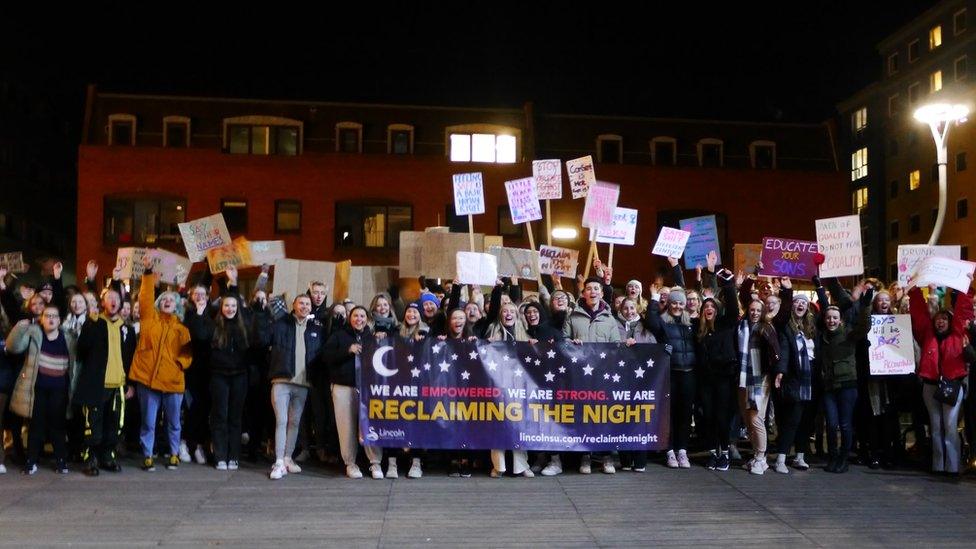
x: 199, y: 506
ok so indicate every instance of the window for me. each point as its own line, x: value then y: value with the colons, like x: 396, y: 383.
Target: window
x: 610, y: 149
x: 483, y: 143
x: 913, y: 92
x: 859, y: 120
x: 962, y: 208
x: 913, y: 51
x: 349, y: 137
x: 893, y: 106
x: 935, y: 37
x: 893, y: 189
x: 935, y: 81
x: 176, y: 131
x: 961, y: 162
x: 860, y: 199
x: 914, y: 223
x: 893, y: 63
x: 367, y: 225
x: 262, y: 135
x: 893, y: 147
x: 893, y: 233
x: 763, y: 155
x: 914, y: 180
x: 710, y: 153
x: 139, y: 221
x: 235, y: 214
x: 959, y: 22
x: 960, y: 68
x: 399, y: 139
x: 288, y: 216
x: 664, y: 151
x: 859, y: 164
x: 121, y: 129
x: 505, y: 225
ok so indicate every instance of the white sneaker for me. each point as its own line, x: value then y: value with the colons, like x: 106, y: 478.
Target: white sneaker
x: 221, y: 465
x: 198, y: 455
x: 528, y: 473
x: 759, y: 466
x: 415, y: 470
x: 245, y: 439
x: 782, y: 468
x: 608, y: 467
x: 585, y: 466
x: 184, y: 452
x: 672, y: 460
x: 376, y: 471
x: 391, y: 469
x: 554, y: 468
x: 683, y: 460
x: 352, y: 471
x: 302, y: 456
x: 800, y: 464
x: 3, y: 469
x: 233, y: 465
x: 292, y: 466
x: 278, y: 471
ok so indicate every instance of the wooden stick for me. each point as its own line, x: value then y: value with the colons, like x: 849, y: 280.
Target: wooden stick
x: 589, y: 259
x: 548, y: 224
x: 471, y: 230
x: 528, y: 228
x: 610, y: 258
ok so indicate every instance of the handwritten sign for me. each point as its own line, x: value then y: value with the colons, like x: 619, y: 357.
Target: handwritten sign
x: 523, y: 201
x: 891, y: 351
x: 469, y: 194
x: 203, y: 234
x: 557, y: 261
x: 788, y: 257
x: 171, y: 268
x: 13, y: 262
x: 622, y: 231
x: 548, y: 175
x: 671, y: 242
x: 601, y: 202
x: 746, y: 256
x: 703, y: 239
x: 476, y: 268
x: 581, y: 176
x: 839, y: 240
x: 943, y: 271
x: 909, y: 256
x: 516, y: 262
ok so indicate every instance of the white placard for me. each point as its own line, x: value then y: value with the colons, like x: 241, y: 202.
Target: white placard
x: 942, y: 271
x: 891, y: 351
x: 623, y: 230
x: 671, y: 242
x: 204, y: 234
x: 469, y: 194
x: 581, y: 176
x: 839, y: 240
x: 548, y: 175
x: 910, y: 255
x: 477, y: 268
x: 523, y: 202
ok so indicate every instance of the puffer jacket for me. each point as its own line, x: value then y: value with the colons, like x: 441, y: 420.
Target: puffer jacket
x: 163, y: 351
x: 940, y: 356
x: 681, y: 338
x: 592, y: 327
x: 838, y: 350
x: 27, y: 338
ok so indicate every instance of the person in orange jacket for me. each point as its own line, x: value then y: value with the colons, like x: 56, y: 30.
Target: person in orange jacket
x: 162, y: 354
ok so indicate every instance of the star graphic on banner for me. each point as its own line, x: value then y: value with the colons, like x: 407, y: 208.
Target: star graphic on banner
x: 621, y: 363
x: 484, y: 351
x: 465, y: 375
x: 537, y: 362
x: 518, y: 372
x: 587, y: 370
x: 650, y: 363
x: 492, y: 366
x: 639, y: 372
x: 410, y: 358
x: 550, y: 376
x: 574, y: 360
x: 603, y: 355
x: 506, y: 358
x: 445, y: 366
x: 616, y: 378
x: 427, y: 366
x: 415, y: 372
x: 436, y: 348
x: 453, y: 357
x: 551, y: 354
x: 606, y: 376
x: 528, y: 360
x: 473, y: 355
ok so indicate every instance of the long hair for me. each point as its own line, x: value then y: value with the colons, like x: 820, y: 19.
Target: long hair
x: 706, y: 326
x: 410, y: 332
x: 466, y: 331
x: 497, y: 330
x: 224, y: 325
x: 807, y: 324
x: 763, y: 313
x: 372, y: 306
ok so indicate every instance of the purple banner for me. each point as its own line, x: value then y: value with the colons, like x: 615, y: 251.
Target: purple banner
x: 479, y: 395
x: 788, y: 257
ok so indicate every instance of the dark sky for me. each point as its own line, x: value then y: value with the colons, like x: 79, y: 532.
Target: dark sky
x: 788, y: 61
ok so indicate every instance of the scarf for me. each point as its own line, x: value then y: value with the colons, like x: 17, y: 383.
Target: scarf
x: 114, y: 369
x: 805, y: 374
x: 750, y: 363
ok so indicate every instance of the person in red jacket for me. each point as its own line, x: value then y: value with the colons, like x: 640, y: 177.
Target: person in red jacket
x: 942, y: 338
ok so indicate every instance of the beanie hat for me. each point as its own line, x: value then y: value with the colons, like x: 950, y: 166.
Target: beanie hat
x: 715, y: 303
x: 414, y: 305
x: 678, y: 296
x: 425, y: 297
x: 801, y: 297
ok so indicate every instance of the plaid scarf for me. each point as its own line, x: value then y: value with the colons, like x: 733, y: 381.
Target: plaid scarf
x: 805, y: 374
x: 750, y: 362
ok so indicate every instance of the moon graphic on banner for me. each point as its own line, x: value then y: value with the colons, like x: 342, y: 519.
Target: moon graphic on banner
x: 378, y: 362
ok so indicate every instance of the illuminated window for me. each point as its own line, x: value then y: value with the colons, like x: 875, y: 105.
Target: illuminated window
x: 959, y: 21
x: 859, y: 164
x: 893, y: 63
x: 483, y: 143
x: 859, y: 120
x: 710, y: 153
x: 762, y: 154
x: 288, y: 216
x: 935, y: 81
x: 935, y: 37
x: 364, y: 225
x: 664, y: 151
x: 483, y: 147
x: 610, y: 149
x: 460, y: 148
x: 235, y: 214
x: 860, y: 197
x: 914, y: 180
x: 893, y: 105
x: 121, y: 129
x: 913, y: 91
x: 505, y: 151
x: 399, y: 139
x: 913, y: 51
x: 349, y: 137
x: 961, y: 68
x: 142, y: 221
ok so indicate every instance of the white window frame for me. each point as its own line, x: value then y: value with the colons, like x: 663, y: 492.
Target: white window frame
x: 260, y: 120
x: 956, y: 31
x: 664, y: 139
x: 609, y: 137
x: 892, y: 105
x: 495, y: 129
x: 167, y: 120
x: 916, y: 42
x: 398, y: 128
x: 711, y: 141
x: 955, y: 68
x: 761, y: 143
x: 121, y: 117
x: 892, y: 63
x: 916, y: 86
x: 347, y: 125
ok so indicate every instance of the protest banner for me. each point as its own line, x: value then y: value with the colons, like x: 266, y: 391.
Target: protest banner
x: 523, y: 202
x: 469, y: 194
x: 171, y: 268
x: 623, y: 229
x: 703, y: 239
x: 292, y: 277
x: 910, y: 255
x: 601, y: 202
x: 517, y: 262
x: 557, y: 261
x: 203, y: 234
x: 219, y: 259
x: 476, y: 268
x: 788, y: 257
x: 839, y: 240
x: 671, y: 242
x: 891, y: 349
x: 266, y: 252
x: 942, y: 271
x: 439, y: 256
x: 581, y: 175
x: 548, y: 176
x: 13, y: 262
x: 746, y: 256
x: 478, y: 395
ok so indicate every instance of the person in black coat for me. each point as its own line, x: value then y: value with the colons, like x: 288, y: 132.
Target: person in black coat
x: 537, y: 324
x: 228, y: 381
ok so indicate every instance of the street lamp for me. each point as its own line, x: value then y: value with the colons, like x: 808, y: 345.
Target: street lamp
x: 939, y: 116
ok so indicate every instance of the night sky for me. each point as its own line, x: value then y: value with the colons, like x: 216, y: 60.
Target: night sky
x: 745, y: 61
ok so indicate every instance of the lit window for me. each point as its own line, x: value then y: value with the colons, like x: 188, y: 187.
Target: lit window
x: 176, y: 131
x: 913, y: 51
x: 859, y: 164
x: 349, y: 137
x: 913, y: 93
x: 664, y: 151
x: 860, y: 199
x: 935, y: 81
x: 959, y: 21
x: 235, y: 214
x: 762, y: 154
x: 371, y: 225
x: 914, y: 180
x: 121, y: 129
x: 962, y: 208
x: 505, y: 149
x: 710, y: 153
x: 893, y: 63
x: 460, y: 148
x: 137, y: 222
x: 893, y: 105
x: 609, y: 149
x: 859, y: 120
x: 935, y: 37
x: 961, y: 68
x: 288, y: 216
x: 483, y: 147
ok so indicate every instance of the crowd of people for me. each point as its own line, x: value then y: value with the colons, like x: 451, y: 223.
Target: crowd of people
x: 205, y: 374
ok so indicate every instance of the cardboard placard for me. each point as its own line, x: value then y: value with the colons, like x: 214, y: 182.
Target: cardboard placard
x: 439, y: 256
x: 703, y: 239
x: 942, y: 271
x: 204, y: 234
x: 557, y: 261
x: 746, y: 256
x: 548, y: 175
x: 517, y: 262
x: 13, y: 262
x: 839, y: 240
x: 581, y: 175
x: 523, y: 202
x: 171, y: 268
x: 909, y: 256
x: 891, y: 349
x: 469, y: 194
x: 622, y: 231
x: 601, y: 202
x: 292, y: 277
x: 366, y: 282
x: 671, y: 242
x: 476, y: 268
x: 219, y: 259
x: 788, y: 257
x: 412, y: 253
x: 266, y: 252
x: 493, y: 240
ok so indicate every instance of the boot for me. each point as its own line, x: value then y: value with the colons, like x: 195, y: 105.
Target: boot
x: 831, y: 466
x: 841, y: 466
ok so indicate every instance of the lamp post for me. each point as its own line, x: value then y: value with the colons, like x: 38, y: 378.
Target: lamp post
x: 939, y: 117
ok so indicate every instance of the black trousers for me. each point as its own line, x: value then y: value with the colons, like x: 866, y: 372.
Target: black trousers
x: 716, y: 395
x: 103, y: 425
x: 789, y: 417
x: 227, y: 394
x: 196, y: 428
x: 47, y: 422
x: 682, y: 403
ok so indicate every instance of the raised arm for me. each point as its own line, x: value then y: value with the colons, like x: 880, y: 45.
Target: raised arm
x: 840, y: 296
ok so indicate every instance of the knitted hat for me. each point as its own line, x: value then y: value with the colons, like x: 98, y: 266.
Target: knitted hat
x: 715, y: 303
x: 636, y: 283
x: 678, y: 296
x: 801, y: 297
x: 46, y: 286
x: 414, y: 305
x: 425, y: 297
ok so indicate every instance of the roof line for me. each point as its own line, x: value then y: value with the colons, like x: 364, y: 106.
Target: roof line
x: 684, y: 120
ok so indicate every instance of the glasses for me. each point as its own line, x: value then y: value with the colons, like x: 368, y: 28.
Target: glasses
x: 52, y: 315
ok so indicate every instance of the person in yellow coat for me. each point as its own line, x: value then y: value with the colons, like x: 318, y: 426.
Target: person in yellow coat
x: 162, y: 354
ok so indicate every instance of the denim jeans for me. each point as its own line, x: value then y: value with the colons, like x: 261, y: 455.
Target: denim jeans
x: 944, y: 425
x: 149, y: 403
x: 288, y: 401
x: 839, y: 413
